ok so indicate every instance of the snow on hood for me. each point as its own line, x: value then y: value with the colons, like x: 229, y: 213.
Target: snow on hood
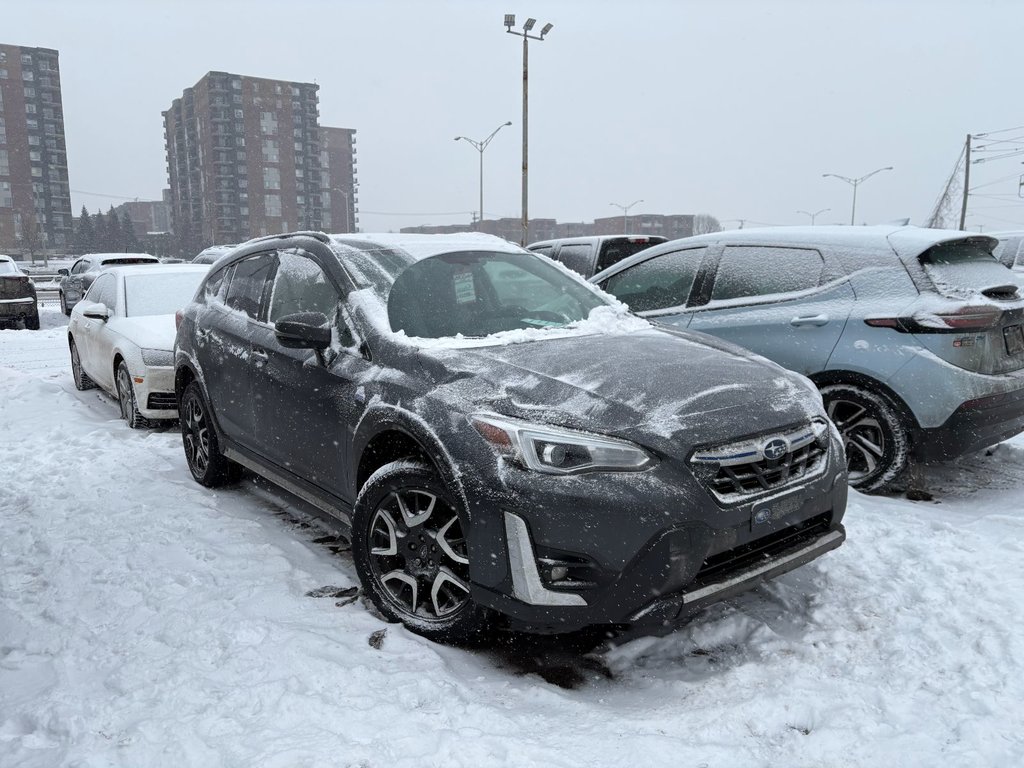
x: 147, y: 331
x: 659, y: 387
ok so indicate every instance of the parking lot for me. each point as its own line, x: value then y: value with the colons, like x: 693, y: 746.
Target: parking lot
x: 145, y: 620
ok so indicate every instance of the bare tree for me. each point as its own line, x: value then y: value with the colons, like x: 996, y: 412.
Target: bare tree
x: 704, y: 223
x: 31, y: 241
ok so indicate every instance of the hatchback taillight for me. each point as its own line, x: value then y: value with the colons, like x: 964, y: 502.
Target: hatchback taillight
x: 178, y: 317
x: 969, y: 318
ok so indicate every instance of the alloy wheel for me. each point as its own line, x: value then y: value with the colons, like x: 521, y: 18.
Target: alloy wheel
x: 196, y: 434
x: 863, y: 435
x: 418, y: 554
x: 125, y: 393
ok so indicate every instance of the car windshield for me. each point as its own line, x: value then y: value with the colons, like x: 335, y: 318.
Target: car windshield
x: 160, y: 293
x: 8, y: 268
x: 479, y: 293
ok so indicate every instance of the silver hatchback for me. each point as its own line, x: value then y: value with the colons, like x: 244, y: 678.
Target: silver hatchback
x: 915, y: 337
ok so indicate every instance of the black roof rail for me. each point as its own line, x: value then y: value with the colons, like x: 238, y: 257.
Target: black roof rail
x: 323, y: 238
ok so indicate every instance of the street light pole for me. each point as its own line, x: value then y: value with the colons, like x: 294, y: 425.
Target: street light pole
x: 855, y: 183
x: 510, y: 21
x: 480, y: 146
x: 625, y: 214
x: 815, y: 215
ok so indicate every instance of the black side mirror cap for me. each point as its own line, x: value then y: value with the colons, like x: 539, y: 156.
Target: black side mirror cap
x: 304, y: 330
x: 63, y: 271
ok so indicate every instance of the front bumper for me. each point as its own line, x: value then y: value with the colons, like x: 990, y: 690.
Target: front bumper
x: 640, y: 549
x: 155, y: 394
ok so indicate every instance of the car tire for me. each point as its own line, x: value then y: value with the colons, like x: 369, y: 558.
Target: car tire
x: 875, y: 436
x: 32, y: 322
x: 64, y: 305
x: 126, y: 397
x: 207, y: 464
x: 81, y: 379
x: 410, y: 553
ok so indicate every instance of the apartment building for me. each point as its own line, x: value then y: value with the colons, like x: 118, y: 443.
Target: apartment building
x: 338, y: 175
x: 35, y: 199
x: 243, y: 159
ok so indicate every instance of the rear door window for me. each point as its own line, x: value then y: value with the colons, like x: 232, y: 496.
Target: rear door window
x: 579, y: 257
x: 659, y: 283
x: 755, y: 270
x: 619, y: 248
x: 248, y: 281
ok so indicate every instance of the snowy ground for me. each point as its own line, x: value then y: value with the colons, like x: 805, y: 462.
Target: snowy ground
x: 146, y: 621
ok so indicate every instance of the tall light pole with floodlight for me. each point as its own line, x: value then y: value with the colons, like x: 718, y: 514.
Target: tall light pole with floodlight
x: 480, y: 146
x: 815, y: 215
x: 625, y: 214
x: 855, y: 183
x: 510, y: 21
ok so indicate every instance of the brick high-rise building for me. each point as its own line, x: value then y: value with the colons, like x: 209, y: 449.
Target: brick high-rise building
x: 35, y: 200
x: 338, y: 174
x: 243, y: 157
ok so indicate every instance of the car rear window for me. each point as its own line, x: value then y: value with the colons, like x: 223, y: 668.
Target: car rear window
x: 968, y: 267
x: 159, y: 294
x: 123, y: 262
x: 8, y: 268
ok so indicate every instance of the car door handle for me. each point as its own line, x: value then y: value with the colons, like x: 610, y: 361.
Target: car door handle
x: 809, y: 320
x: 260, y: 357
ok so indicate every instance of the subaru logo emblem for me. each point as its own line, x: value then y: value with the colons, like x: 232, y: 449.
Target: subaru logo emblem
x: 775, y: 449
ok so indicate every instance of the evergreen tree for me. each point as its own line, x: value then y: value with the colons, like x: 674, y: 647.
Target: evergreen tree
x: 85, y: 234
x: 102, y: 235
x: 129, y: 239
x: 114, y: 232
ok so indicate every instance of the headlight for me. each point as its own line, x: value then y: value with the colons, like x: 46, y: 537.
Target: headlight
x: 558, y: 451
x: 157, y: 357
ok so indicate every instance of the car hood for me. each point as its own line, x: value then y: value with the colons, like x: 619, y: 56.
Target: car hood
x: 148, y: 332
x: 661, y: 388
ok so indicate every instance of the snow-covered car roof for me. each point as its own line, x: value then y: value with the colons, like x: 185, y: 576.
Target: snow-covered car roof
x: 103, y: 257
x: 906, y: 241
x: 159, y: 269
x: 423, y: 246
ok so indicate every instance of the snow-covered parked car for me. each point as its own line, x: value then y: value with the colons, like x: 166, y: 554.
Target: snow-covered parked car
x: 915, y: 336
x: 121, y: 336
x: 75, y: 281
x: 17, y: 296
x: 541, y: 459
x: 211, y: 254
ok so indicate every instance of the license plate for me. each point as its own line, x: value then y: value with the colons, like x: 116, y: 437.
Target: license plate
x: 1013, y: 336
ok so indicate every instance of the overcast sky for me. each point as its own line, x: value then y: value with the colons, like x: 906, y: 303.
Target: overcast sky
x: 726, y: 107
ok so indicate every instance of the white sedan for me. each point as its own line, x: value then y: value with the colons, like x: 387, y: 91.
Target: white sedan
x: 122, y: 336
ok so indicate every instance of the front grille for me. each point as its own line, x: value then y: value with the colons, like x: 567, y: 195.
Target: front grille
x: 744, y: 557
x: 161, y: 401
x: 752, y: 466
x: 767, y: 475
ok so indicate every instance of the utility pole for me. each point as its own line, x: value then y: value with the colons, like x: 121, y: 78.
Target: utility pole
x: 967, y: 181
x: 480, y: 146
x: 510, y: 21
x: 625, y: 214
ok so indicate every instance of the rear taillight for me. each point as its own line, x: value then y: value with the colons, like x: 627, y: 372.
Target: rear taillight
x: 963, y: 319
x: 178, y: 317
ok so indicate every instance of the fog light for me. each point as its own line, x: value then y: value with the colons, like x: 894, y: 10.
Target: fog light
x: 559, y: 572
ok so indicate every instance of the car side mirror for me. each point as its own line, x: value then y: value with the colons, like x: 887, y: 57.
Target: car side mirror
x: 95, y: 310
x: 304, y: 330
x: 63, y: 271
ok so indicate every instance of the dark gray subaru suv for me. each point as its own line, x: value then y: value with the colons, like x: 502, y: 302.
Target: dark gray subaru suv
x: 507, y: 445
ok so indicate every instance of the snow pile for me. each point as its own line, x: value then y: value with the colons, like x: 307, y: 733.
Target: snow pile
x: 148, y: 622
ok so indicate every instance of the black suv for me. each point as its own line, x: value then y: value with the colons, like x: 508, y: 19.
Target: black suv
x: 17, y: 296
x: 589, y: 255
x: 504, y: 444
